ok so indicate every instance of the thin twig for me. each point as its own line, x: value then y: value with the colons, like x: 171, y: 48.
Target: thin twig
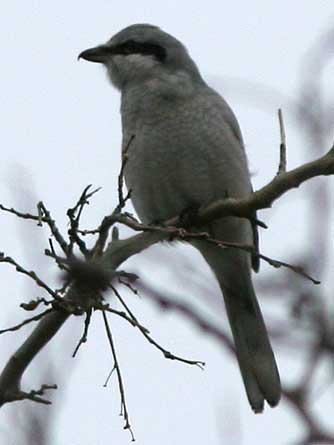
x: 22, y: 215
x: 34, y: 395
x: 181, y: 233
x: 84, y: 336
x: 52, y: 253
x: 166, y: 354
x: 297, y: 269
x: 85, y: 232
x: 75, y: 212
x: 121, y: 199
x: 124, y: 410
x: 74, y: 215
x: 275, y: 263
x: 46, y: 217
x: 103, y: 230
x: 31, y: 274
x: 105, y: 384
x: 121, y: 314
x: 128, y: 285
x: 27, y: 321
x: 109, y: 220
x: 33, y: 304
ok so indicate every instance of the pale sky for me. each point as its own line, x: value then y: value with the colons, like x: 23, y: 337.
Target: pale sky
x: 60, y: 130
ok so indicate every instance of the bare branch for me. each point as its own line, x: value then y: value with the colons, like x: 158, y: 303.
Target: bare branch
x: 10, y: 378
x: 267, y: 195
x: 119, y: 250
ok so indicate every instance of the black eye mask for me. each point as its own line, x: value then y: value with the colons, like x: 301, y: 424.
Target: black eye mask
x: 145, y: 48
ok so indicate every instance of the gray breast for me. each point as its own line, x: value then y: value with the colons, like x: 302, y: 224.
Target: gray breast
x: 185, y: 152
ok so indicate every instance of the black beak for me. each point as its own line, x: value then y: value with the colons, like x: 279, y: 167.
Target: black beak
x: 98, y: 54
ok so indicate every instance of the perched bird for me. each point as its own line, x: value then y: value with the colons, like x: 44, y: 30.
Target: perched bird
x: 187, y: 152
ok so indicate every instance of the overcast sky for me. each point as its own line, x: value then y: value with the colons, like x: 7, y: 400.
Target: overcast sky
x: 60, y: 130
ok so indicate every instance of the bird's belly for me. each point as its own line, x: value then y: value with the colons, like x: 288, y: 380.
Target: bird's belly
x: 163, y: 183
x: 170, y: 169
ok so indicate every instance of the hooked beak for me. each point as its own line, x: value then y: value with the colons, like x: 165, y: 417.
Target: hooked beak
x: 98, y: 54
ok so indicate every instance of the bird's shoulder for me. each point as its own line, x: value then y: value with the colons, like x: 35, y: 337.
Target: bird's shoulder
x: 172, y: 102
x: 217, y: 110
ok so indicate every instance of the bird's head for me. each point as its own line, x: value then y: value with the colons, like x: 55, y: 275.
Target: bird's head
x: 141, y: 52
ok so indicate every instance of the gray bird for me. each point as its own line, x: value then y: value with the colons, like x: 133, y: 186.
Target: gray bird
x: 187, y: 152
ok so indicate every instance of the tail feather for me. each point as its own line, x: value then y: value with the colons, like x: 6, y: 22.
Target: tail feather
x: 255, y: 356
x: 253, y: 350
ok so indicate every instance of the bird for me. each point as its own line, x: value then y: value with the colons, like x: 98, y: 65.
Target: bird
x: 187, y: 151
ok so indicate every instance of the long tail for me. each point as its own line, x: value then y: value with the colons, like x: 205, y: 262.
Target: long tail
x: 255, y: 356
